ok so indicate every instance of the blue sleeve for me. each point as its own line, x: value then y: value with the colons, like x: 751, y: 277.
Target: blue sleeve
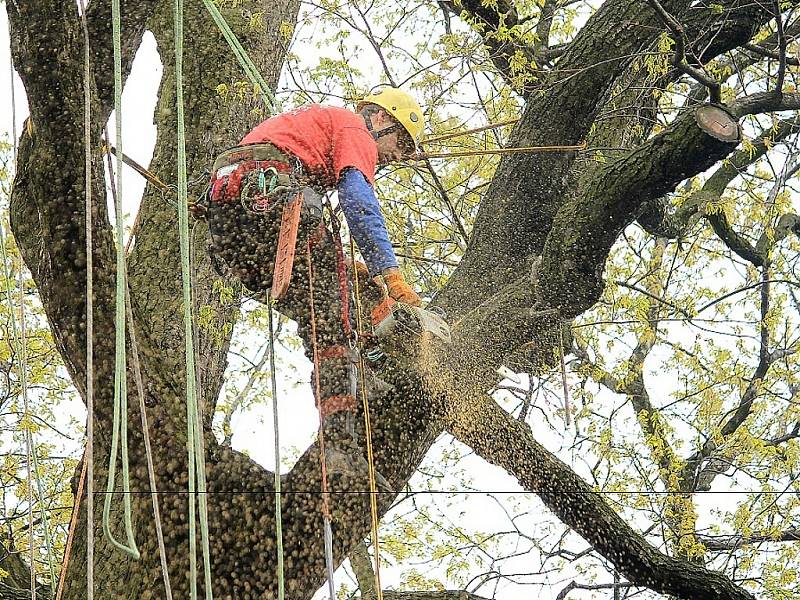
x: 363, y: 214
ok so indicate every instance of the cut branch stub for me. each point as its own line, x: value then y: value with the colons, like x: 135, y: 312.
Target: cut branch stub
x: 717, y: 122
x: 586, y: 227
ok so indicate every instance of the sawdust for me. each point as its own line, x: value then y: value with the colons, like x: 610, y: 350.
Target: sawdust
x: 453, y: 379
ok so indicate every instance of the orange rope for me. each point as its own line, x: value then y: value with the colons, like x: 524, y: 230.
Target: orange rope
x: 480, y: 152
x: 72, y: 524
x: 373, y: 488
x: 447, y: 136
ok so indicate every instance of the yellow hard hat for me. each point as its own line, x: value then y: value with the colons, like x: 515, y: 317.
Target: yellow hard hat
x: 402, y: 106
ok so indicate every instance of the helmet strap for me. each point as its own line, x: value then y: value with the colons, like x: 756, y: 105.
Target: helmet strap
x: 376, y: 135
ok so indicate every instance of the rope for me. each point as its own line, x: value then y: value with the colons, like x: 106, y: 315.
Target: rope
x: 22, y: 369
x: 246, y: 63
x: 120, y: 419
x: 197, y: 475
x: 278, y: 512
x: 13, y: 322
x: 373, y: 489
x: 73, y: 522
x: 147, y: 447
x: 326, y: 510
x: 447, y: 136
x: 21, y: 347
x: 48, y: 541
x: 89, y: 451
x: 567, y: 416
x: 481, y: 152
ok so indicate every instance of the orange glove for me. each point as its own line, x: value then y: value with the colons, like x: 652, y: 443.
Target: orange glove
x: 400, y: 290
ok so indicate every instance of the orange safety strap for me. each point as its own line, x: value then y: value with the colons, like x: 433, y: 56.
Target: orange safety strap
x: 332, y: 352
x: 287, y: 241
x: 333, y: 404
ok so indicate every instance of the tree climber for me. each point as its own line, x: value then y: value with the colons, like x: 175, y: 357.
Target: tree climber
x: 292, y: 160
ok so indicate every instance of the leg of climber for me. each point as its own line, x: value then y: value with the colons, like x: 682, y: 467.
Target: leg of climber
x: 338, y: 398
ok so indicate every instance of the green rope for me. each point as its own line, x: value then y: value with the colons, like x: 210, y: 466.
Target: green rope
x: 48, y: 541
x: 244, y: 59
x: 194, y: 442
x: 120, y: 420
x: 22, y: 367
x: 278, y: 512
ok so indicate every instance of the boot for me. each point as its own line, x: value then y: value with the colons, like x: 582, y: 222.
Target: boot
x: 343, y: 456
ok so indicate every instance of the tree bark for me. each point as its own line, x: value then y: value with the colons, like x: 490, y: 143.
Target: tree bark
x: 500, y: 298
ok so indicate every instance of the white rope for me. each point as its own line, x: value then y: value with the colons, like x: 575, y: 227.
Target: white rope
x: 148, y: 451
x: 89, y: 456
x: 22, y: 368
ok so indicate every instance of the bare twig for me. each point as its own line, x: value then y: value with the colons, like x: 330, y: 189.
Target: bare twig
x: 781, y: 49
x: 574, y: 585
x: 679, y: 57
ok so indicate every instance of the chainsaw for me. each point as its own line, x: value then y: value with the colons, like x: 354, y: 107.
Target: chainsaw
x: 398, y: 322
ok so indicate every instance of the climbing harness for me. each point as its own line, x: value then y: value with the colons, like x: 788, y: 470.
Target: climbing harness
x: 258, y: 175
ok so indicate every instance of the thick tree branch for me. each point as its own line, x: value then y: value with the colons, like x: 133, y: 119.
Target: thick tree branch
x: 48, y: 201
x: 585, y: 229
x: 499, y: 438
x: 527, y: 191
x: 734, y: 542
x: 659, y: 219
x: 765, y: 102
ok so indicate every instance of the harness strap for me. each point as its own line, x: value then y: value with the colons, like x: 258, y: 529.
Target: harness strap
x: 341, y: 273
x: 287, y: 242
x: 338, y: 403
x: 334, y: 352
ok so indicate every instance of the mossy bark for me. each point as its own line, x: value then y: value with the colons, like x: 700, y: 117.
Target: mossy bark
x: 533, y: 209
